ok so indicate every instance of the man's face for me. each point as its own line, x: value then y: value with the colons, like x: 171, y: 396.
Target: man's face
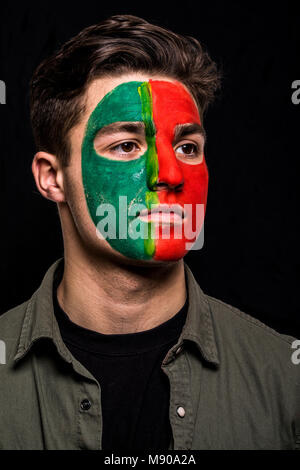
x: 142, y: 149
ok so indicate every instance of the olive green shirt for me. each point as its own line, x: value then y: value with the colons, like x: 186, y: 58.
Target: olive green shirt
x: 233, y: 384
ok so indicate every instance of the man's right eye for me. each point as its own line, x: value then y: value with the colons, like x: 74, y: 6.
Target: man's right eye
x: 123, y: 151
x: 125, y: 147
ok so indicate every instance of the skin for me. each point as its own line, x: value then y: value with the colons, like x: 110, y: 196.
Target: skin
x: 102, y: 289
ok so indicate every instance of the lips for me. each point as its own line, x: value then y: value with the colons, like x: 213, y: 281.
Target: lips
x: 163, y: 214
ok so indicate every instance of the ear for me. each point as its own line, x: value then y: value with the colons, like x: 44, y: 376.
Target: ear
x: 48, y: 176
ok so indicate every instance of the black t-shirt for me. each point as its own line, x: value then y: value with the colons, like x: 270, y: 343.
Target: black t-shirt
x: 134, y: 389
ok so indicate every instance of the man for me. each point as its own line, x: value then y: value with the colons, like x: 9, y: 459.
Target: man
x: 119, y: 348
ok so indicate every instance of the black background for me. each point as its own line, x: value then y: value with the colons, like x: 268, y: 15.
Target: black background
x: 250, y: 254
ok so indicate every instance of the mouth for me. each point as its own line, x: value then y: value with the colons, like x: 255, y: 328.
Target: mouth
x: 163, y: 214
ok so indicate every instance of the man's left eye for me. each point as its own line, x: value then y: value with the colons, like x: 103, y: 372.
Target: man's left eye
x: 187, y: 149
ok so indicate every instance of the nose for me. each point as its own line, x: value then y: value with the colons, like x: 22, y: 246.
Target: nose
x: 170, y: 175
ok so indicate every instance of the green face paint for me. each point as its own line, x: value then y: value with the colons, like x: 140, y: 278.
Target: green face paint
x: 105, y: 180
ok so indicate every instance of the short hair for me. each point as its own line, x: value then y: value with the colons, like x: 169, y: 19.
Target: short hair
x: 120, y: 44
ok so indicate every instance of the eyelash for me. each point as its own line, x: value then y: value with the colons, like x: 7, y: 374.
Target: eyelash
x: 122, y: 143
x: 196, y: 153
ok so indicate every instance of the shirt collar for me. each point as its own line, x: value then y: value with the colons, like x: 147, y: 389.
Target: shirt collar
x: 199, y: 327
x: 40, y: 322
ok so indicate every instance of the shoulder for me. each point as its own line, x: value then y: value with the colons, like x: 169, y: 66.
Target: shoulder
x: 12, y: 320
x: 251, y: 340
x: 222, y: 312
x: 11, y: 323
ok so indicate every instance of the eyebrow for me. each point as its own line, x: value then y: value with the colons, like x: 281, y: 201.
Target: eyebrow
x: 183, y: 130
x: 116, y: 127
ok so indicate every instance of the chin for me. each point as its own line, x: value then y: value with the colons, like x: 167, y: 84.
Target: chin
x: 166, y: 252
x: 170, y: 250
x: 161, y: 257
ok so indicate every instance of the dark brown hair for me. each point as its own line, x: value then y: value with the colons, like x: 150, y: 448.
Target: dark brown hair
x: 120, y: 44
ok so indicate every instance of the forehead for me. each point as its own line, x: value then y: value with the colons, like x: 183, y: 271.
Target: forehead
x: 146, y: 101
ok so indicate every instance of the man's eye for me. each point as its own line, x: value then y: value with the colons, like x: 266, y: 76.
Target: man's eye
x: 125, y: 147
x: 188, y: 149
x: 123, y: 151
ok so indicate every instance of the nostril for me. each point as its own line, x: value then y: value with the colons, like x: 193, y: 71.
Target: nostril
x: 159, y: 186
x: 179, y: 187
x: 162, y: 186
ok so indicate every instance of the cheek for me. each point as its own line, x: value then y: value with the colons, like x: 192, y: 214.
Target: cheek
x: 195, y: 182
x: 72, y: 175
x: 73, y: 185
x: 195, y: 186
x: 194, y: 192
x: 109, y: 182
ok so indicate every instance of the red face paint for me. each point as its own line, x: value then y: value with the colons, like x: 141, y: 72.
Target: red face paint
x: 173, y: 105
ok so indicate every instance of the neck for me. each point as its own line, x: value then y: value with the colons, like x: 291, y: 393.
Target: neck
x: 102, y: 294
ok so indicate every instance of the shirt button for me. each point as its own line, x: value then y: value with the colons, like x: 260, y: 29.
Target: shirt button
x: 85, y: 404
x: 181, y: 411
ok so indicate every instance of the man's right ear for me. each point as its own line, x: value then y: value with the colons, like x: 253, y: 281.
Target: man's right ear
x: 48, y: 176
